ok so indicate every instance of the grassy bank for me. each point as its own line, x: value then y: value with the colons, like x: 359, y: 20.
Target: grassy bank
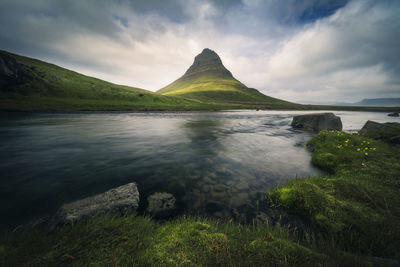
x: 353, y: 214
x: 357, y: 209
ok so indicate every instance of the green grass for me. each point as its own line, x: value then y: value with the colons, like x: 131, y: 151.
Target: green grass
x: 357, y: 208
x: 139, y: 241
x: 352, y: 217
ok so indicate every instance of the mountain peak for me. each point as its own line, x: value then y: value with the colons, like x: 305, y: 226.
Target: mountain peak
x: 208, y: 80
x: 208, y: 54
x: 207, y: 60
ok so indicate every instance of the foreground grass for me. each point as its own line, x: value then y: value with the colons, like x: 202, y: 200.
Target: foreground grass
x: 354, y: 216
x: 139, y: 241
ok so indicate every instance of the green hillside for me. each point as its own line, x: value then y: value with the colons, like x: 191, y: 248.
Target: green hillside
x: 31, y: 84
x: 208, y: 80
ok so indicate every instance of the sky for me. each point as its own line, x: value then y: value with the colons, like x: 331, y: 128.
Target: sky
x: 310, y: 51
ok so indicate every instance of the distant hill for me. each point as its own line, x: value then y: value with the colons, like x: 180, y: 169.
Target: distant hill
x: 373, y: 102
x: 31, y: 84
x: 379, y: 102
x: 207, y: 79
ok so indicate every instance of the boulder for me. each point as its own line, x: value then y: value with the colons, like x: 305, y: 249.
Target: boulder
x: 388, y: 132
x: 120, y: 201
x: 161, y: 204
x: 394, y: 114
x: 317, y: 122
x: 372, y: 127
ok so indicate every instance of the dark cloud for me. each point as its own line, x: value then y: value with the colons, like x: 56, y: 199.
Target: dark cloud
x: 172, y: 10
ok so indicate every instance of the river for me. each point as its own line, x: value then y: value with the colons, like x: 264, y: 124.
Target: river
x: 216, y: 164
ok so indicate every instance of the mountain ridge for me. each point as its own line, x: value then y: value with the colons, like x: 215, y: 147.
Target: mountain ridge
x: 388, y: 102
x: 207, y: 79
x: 28, y: 84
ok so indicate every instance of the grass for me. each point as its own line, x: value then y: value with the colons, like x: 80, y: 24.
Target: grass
x: 139, y: 241
x: 352, y: 217
x: 357, y: 208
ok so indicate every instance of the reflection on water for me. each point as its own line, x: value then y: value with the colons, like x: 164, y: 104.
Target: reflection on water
x: 215, y: 163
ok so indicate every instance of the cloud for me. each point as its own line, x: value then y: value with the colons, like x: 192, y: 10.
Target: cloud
x: 355, y: 50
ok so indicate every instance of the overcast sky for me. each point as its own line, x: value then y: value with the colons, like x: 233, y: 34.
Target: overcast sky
x: 310, y: 50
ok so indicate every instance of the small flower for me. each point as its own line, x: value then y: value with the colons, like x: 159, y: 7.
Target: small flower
x: 358, y: 149
x: 366, y: 154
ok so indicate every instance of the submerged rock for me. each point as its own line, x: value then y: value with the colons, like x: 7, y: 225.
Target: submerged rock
x: 394, y: 114
x: 161, y: 204
x: 121, y: 200
x: 317, y: 122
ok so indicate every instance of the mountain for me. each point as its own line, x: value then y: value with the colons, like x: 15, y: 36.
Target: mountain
x: 379, y: 102
x: 207, y: 79
x: 31, y: 84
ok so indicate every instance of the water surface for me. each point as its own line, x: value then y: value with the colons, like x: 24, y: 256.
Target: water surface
x: 215, y: 163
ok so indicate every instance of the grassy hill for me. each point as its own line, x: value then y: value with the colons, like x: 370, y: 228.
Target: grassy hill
x: 208, y: 80
x: 28, y: 84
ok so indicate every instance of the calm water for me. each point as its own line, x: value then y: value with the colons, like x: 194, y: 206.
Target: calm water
x: 215, y: 163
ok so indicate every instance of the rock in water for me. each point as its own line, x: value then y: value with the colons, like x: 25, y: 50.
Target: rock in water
x: 371, y: 127
x: 394, y: 114
x: 120, y: 200
x: 388, y: 132
x: 161, y: 204
x: 317, y: 122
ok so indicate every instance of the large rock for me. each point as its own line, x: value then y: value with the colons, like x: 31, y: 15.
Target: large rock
x: 317, y: 122
x: 394, y: 114
x: 120, y: 200
x: 372, y: 127
x: 388, y: 132
x: 161, y: 204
